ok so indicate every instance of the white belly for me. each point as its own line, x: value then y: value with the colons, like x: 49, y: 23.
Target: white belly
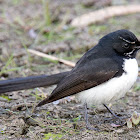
x: 113, y: 89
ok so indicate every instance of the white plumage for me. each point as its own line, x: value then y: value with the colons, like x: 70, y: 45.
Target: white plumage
x: 113, y: 89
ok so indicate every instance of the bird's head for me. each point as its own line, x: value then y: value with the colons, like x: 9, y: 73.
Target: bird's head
x: 123, y: 42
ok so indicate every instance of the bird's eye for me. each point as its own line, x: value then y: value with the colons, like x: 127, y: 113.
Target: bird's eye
x: 126, y: 45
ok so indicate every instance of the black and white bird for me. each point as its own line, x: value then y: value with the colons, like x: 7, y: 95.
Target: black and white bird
x: 103, y: 74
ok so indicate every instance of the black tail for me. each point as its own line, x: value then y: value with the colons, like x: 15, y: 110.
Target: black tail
x: 30, y: 82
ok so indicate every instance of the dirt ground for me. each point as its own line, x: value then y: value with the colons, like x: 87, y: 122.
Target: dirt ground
x: 45, y: 26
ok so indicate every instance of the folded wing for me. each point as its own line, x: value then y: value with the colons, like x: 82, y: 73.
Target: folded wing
x: 84, y: 77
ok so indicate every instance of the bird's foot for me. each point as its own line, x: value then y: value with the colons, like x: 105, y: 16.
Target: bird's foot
x: 120, y: 120
x: 91, y: 128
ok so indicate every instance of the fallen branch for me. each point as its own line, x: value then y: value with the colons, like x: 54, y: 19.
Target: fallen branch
x: 51, y: 57
x: 102, y: 14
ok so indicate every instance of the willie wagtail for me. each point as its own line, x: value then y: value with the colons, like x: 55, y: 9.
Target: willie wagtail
x: 103, y: 74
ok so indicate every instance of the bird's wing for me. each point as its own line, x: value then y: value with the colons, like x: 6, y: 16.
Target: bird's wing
x: 82, y: 78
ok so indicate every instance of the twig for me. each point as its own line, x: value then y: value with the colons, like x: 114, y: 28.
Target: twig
x: 52, y: 57
x: 102, y: 14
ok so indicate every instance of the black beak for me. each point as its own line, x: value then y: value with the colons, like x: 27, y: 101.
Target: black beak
x: 138, y: 45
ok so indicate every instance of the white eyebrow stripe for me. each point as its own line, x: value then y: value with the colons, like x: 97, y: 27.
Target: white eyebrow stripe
x: 126, y: 40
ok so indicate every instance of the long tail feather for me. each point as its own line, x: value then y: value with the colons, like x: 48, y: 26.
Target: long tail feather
x: 30, y: 82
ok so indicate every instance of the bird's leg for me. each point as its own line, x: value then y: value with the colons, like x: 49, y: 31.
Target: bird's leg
x: 111, y: 112
x: 117, y: 117
x: 86, y: 119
